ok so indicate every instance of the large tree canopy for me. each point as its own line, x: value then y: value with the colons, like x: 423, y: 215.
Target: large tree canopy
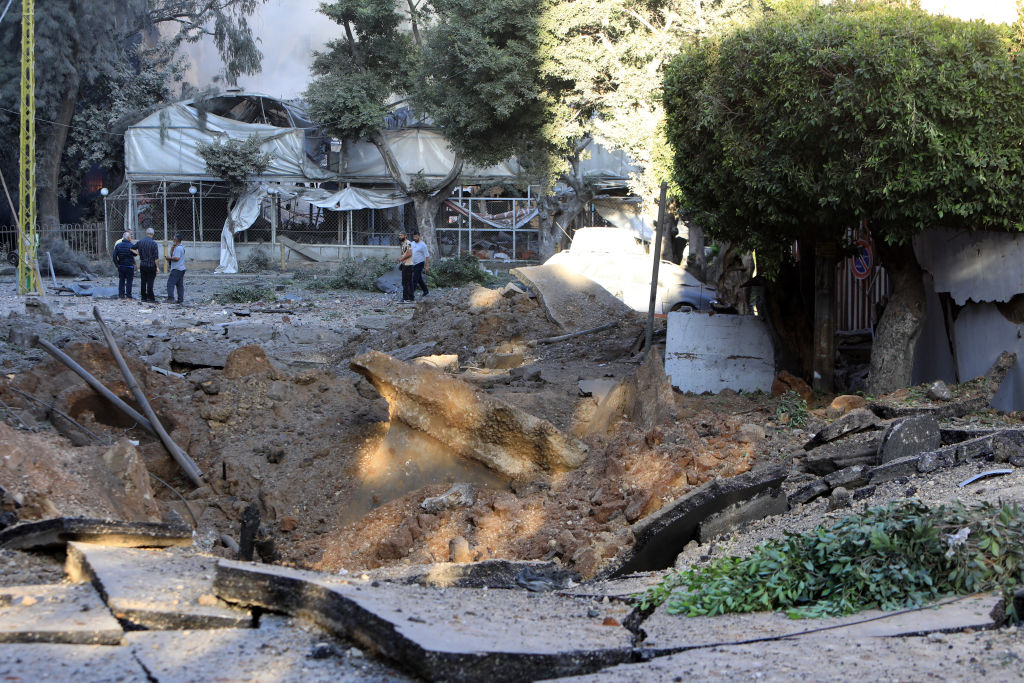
x: 814, y: 118
x: 810, y: 120
x: 79, y: 45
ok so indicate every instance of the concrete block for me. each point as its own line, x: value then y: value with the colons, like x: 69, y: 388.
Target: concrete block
x: 711, y: 353
x: 910, y: 436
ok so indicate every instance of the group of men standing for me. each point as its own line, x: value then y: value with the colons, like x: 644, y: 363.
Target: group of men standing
x: 415, y: 259
x: 148, y: 251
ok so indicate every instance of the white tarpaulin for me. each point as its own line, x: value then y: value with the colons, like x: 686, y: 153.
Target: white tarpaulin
x: 355, y: 198
x: 242, y: 215
x: 625, y: 214
x: 164, y: 145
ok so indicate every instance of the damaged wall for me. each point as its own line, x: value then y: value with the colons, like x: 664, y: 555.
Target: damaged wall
x: 981, y: 273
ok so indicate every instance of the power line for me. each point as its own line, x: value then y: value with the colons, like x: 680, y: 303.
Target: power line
x: 55, y: 123
x: 4, y: 13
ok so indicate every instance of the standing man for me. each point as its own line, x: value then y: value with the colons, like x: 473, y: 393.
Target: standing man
x: 405, y: 268
x: 124, y: 258
x: 420, y: 263
x: 176, y: 278
x: 148, y: 253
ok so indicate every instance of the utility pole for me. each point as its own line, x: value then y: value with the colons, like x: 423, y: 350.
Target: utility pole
x: 27, y: 154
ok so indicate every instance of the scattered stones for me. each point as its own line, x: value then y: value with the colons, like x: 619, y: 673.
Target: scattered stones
x: 909, y: 436
x: 750, y: 433
x: 840, y: 498
x: 459, y: 550
x: 939, y: 391
x: 787, y: 381
x: 448, y: 362
x: 288, y: 523
x: 526, y: 373
x: 857, y: 420
x: 459, y: 495
x: 843, y: 404
x: 503, y: 361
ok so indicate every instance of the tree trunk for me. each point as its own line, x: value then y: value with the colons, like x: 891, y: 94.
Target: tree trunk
x: 426, y: 200
x: 823, y: 378
x: 49, y: 152
x: 892, y: 355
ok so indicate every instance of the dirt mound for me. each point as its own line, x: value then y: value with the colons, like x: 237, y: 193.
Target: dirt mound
x: 461, y: 321
x: 581, y: 517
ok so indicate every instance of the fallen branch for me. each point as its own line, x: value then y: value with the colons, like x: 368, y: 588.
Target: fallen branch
x: 97, y: 386
x: 55, y: 411
x: 180, y: 456
x: 572, y: 335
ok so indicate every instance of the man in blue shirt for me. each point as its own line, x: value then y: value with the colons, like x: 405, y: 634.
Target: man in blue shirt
x: 124, y: 257
x: 176, y: 278
x: 148, y: 252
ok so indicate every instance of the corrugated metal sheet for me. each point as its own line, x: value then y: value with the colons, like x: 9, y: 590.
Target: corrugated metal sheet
x: 857, y: 300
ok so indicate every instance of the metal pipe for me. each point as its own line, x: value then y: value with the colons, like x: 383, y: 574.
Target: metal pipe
x: 658, y: 230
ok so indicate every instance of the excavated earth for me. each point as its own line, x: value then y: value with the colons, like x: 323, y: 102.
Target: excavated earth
x: 261, y: 395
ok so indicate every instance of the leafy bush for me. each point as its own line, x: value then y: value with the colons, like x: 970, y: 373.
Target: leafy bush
x: 244, y: 294
x: 899, y: 555
x: 258, y: 261
x: 353, y: 274
x: 794, y: 407
x: 457, y: 271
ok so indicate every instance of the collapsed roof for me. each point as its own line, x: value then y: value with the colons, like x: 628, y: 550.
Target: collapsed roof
x: 164, y: 145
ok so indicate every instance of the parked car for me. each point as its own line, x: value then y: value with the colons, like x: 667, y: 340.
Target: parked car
x: 614, y: 259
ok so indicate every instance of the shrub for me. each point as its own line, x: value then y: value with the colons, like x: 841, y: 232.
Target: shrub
x: 353, y: 274
x: 792, y: 409
x: 244, y: 294
x: 899, y: 555
x: 457, y: 271
x: 258, y: 261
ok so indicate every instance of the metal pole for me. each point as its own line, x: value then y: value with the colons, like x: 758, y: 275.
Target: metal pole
x: 163, y: 184
x: 658, y: 230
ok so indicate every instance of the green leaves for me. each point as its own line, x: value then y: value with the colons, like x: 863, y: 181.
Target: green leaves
x: 815, y: 117
x: 236, y: 162
x: 900, y: 555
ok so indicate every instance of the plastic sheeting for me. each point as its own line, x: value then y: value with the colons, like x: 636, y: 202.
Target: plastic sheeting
x: 976, y: 266
x: 241, y: 217
x: 165, y: 144
x: 625, y: 214
x: 355, y: 198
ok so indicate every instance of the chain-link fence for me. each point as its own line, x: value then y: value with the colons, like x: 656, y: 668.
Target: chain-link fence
x: 197, y: 211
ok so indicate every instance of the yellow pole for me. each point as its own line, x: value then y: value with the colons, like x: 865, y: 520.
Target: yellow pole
x: 27, y: 153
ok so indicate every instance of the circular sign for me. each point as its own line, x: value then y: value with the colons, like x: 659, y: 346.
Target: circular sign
x: 862, y: 262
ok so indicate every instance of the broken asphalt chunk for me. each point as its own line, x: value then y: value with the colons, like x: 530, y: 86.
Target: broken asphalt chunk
x: 155, y: 589
x: 662, y: 535
x: 277, y: 651
x: 857, y: 420
x: 56, y: 613
x: 53, y: 533
x: 59, y: 662
x: 443, y: 634
x: 909, y: 436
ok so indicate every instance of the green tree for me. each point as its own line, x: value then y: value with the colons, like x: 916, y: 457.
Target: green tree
x: 543, y: 78
x: 816, y: 117
x: 78, y: 45
x: 236, y: 162
x: 362, y: 75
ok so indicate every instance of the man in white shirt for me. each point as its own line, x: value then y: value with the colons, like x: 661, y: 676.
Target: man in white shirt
x: 420, y: 262
x: 176, y: 278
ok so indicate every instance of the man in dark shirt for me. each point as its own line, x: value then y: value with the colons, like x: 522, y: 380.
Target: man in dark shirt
x: 124, y: 257
x: 148, y: 253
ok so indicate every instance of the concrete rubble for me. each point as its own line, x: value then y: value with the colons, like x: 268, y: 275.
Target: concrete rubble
x: 466, y: 420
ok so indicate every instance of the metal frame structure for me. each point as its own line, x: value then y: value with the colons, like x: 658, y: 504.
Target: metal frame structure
x: 27, y: 153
